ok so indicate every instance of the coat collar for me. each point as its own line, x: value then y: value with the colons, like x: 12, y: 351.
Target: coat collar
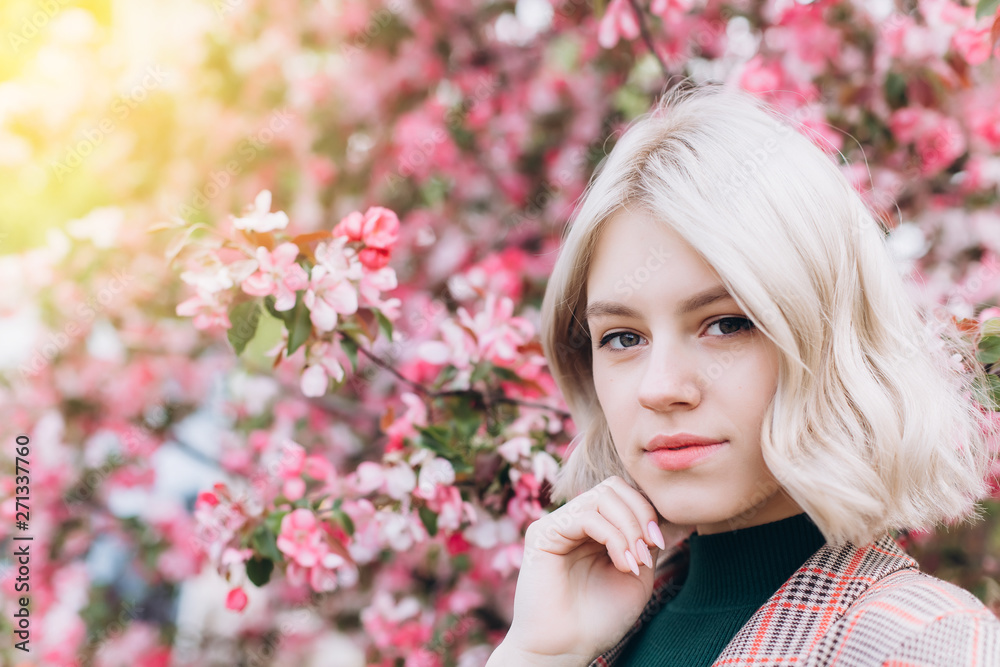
x: 787, y: 627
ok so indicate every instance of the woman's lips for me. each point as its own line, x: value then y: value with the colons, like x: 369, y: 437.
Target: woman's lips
x: 684, y: 457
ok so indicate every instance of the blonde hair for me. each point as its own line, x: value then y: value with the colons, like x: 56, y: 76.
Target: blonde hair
x: 871, y: 427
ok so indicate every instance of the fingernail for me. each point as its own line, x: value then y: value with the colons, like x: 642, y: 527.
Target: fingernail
x: 655, y: 534
x: 643, y: 551
x: 630, y: 559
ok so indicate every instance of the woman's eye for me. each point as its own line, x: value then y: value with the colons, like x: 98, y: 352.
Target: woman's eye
x: 729, y: 326
x: 625, y: 336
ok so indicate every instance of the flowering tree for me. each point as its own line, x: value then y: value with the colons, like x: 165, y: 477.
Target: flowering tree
x: 280, y: 378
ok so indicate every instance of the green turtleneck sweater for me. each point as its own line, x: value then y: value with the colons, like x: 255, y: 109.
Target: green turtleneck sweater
x: 729, y: 577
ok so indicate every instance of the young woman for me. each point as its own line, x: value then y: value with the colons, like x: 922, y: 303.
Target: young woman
x: 748, y: 377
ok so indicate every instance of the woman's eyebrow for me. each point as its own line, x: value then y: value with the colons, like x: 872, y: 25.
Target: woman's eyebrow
x: 700, y: 300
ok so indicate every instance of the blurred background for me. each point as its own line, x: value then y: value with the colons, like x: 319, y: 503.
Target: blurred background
x: 132, y: 130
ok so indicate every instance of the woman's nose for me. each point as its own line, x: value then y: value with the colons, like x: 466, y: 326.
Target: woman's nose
x: 670, y: 381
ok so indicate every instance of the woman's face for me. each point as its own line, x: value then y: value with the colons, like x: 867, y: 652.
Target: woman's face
x: 674, y: 354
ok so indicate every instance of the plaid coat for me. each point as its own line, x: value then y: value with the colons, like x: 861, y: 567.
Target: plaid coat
x: 852, y: 607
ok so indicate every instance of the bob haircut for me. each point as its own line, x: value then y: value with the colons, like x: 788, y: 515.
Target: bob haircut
x: 871, y: 427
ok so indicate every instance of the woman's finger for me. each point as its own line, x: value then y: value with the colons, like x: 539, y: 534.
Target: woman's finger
x: 582, y: 522
x: 614, y: 508
x: 645, y: 513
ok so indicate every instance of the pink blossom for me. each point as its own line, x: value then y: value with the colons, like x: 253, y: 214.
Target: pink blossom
x: 368, y: 477
x: 670, y: 10
x: 301, y: 538
x: 278, y: 274
x: 989, y: 313
x: 404, y: 425
x: 236, y: 599
x: 377, y: 228
x: 452, y: 510
x: 423, y: 657
x: 323, y: 363
x: 328, y: 296
x: 499, y: 333
x: 351, y: 226
x: 940, y: 145
x: 759, y: 77
x: 906, y: 123
x: 400, y: 531
x: 619, y: 20
x: 331, y: 287
x: 259, y: 218
x: 380, y: 228
x: 292, y: 461
x: 434, y: 472
x: 210, y: 310
x: 985, y: 124
x: 318, y: 468
x: 507, y: 559
x: 400, y: 480
x: 973, y: 44
x: 374, y: 259
x: 515, y: 448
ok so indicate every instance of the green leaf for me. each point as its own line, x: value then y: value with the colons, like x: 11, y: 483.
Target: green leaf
x: 383, y: 324
x: 299, y: 325
x: 351, y: 349
x: 994, y: 389
x: 269, y: 331
x: 506, y: 374
x: 986, y: 8
x: 481, y: 372
x: 435, y: 438
x: 344, y: 520
x: 895, y: 89
x: 430, y: 520
x: 989, y: 350
x: 265, y: 542
x: 244, y: 317
x: 269, y: 302
x: 259, y: 570
x: 273, y: 521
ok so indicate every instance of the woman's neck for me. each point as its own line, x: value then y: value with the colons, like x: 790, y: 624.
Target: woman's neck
x: 738, y: 567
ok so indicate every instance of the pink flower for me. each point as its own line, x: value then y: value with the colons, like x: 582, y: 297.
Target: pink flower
x: 302, y: 538
x: 331, y: 291
x: 973, y: 44
x: 989, y: 313
x: 377, y: 228
x: 322, y: 365
x: 403, y: 426
x: 498, y: 332
x: 237, y: 599
x: 374, y: 258
x: 351, y: 226
x: 940, y: 145
x: 259, y: 218
x: 985, y: 124
x: 670, y: 10
x: 619, y: 20
x: 422, y: 657
x: 447, y: 503
x: 380, y: 228
x: 760, y: 77
x: 278, y: 275
x: 905, y: 123
x: 373, y: 283
x: 208, y: 308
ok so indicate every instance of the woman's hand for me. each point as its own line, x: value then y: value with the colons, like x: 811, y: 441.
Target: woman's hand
x: 578, y: 592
